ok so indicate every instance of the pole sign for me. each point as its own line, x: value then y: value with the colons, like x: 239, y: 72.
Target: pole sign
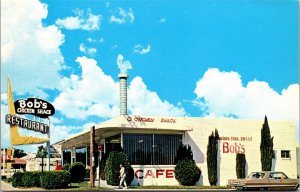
x: 30, y: 106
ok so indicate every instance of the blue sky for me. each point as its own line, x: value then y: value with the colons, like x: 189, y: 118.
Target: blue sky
x: 189, y: 58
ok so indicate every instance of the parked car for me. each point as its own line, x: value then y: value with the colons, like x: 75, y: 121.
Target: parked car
x: 265, y: 180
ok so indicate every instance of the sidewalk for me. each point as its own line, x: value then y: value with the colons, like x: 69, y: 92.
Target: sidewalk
x: 8, y: 187
x: 104, y: 184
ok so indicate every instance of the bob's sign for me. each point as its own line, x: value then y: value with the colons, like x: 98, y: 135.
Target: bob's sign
x: 34, y: 106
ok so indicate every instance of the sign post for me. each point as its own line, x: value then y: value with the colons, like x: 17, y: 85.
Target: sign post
x: 92, y: 158
x: 100, y: 149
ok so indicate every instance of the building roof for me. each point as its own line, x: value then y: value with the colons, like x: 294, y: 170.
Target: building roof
x: 158, y: 125
x: 19, y: 161
x: 130, y: 124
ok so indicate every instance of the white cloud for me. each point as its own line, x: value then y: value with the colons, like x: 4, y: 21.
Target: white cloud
x: 86, y: 50
x: 93, y: 93
x: 141, y: 50
x: 96, y: 94
x: 5, y: 137
x: 114, y: 47
x: 142, y: 101
x: 223, y: 94
x: 123, y: 16
x: 81, y: 20
x: 30, y: 51
x: 91, y: 40
x: 162, y: 20
x: 101, y: 40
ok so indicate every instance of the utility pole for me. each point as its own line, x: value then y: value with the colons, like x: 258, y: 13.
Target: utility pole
x: 48, y: 147
x: 92, y: 158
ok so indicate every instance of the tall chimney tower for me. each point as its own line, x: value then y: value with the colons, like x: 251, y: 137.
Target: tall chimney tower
x: 123, y: 66
x: 123, y: 93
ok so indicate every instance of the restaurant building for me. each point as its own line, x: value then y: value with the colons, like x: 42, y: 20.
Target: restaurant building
x: 151, y: 143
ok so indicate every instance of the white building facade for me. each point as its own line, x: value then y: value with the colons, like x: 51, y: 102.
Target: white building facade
x: 151, y: 143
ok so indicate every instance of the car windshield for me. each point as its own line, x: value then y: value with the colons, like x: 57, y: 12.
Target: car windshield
x: 256, y: 175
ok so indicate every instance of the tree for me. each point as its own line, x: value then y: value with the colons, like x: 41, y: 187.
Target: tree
x: 266, y: 147
x: 112, y: 168
x: 41, y: 153
x: 183, y: 152
x: 212, y: 157
x: 240, y: 165
x: 18, y: 153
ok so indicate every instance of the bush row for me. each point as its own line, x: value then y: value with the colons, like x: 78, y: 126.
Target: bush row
x: 47, y: 179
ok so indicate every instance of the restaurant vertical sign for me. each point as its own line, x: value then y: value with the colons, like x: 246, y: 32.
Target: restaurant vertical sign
x: 30, y: 106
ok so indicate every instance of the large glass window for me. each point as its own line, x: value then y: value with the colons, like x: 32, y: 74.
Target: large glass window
x: 151, y: 149
x: 67, y: 156
x: 81, y: 155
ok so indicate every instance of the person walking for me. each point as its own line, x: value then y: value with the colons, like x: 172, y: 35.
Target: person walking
x: 122, y: 176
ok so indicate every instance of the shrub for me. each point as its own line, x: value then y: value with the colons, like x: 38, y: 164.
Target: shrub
x: 77, y: 171
x: 66, y: 167
x: 31, y: 179
x: 112, y: 168
x: 187, y: 173
x: 102, y: 166
x: 240, y: 166
x: 129, y: 175
x: 55, y: 179
x: 17, y: 179
x: 87, y: 173
x: 183, y: 152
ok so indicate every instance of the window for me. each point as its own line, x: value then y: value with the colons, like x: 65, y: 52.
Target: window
x: 277, y: 175
x: 67, y: 156
x: 285, y: 154
x: 81, y: 155
x: 256, y: 175
x: 151, y: 149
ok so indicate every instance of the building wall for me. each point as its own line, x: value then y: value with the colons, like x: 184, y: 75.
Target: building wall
x: 154, y: 175
x: 35, y: 164
x: 236, y: 135
x: 298, y: 161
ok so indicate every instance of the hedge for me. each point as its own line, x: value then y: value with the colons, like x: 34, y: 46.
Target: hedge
x: 17, y: 179
x: 47, y: 179
x: 55, y: 179
x: 77, y: 171
x: 187, y: 173
x: 31, y: 179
